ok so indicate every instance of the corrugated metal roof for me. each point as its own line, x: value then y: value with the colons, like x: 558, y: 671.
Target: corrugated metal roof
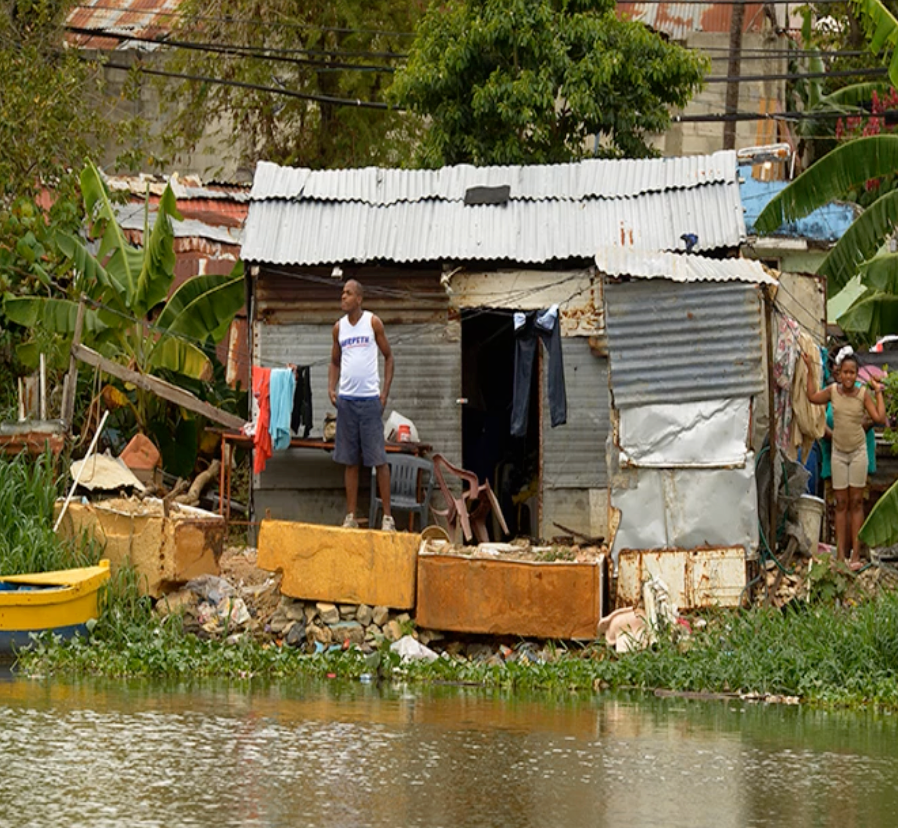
x: 409, y: 216
x: 151, y: 19
x: 678, y: 20
x: 682, y: 342
x: 591, y: 178
x: 679, y: 267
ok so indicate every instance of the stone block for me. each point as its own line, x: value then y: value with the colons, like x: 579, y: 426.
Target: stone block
x: 341, y: 566
x: 166, y: 551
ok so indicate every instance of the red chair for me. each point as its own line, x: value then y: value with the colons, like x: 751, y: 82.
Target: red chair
x: 471, y: 508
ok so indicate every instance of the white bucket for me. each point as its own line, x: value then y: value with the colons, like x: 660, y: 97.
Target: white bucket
x: 810, y: 516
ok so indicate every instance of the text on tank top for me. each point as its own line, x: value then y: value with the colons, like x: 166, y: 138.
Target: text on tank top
x: 848, y: 420
x: 358, y: 358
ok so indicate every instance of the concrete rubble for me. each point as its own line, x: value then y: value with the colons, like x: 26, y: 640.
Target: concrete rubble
x: 246, y: 601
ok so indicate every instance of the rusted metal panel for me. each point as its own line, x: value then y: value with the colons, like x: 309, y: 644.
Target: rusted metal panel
x: 288, y: 295
x: 679, y: 20
x: 697, y: 578
x: 146, y: 19
x: 683, y: 342
x: 476, y: 595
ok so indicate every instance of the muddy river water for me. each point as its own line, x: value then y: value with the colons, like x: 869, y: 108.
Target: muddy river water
x: 292, y: 754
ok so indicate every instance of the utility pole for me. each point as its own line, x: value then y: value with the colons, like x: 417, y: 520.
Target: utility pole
x: 734, y: 68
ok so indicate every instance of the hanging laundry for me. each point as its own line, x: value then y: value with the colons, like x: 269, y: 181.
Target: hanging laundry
x: 785, y: 356
x: 302, y: 401
x: 281, y: 395
x: 529, y: 328
x: 261, y: 437
x: 808, y: 420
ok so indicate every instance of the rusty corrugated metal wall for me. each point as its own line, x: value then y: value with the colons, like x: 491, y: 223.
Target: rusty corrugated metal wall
x: 672, y: 342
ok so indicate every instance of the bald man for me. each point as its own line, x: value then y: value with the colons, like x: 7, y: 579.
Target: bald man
x: 360, y: 400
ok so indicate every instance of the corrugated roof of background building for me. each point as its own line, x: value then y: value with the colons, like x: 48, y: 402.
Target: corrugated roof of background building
x: 145, y: 19
x: 305, y: 217
x: 678, y: 20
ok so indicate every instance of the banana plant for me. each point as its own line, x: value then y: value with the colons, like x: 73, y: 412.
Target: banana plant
x: 849, y: 166
x: 130, y: 316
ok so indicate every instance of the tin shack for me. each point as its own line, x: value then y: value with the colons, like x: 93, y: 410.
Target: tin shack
x: 447, y: 257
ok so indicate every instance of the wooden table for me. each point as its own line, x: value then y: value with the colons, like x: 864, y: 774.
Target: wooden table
x: 240, y: 440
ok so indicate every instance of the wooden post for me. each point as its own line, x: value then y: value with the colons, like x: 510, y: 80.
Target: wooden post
x: 71, y: 378
x: 771, y: 415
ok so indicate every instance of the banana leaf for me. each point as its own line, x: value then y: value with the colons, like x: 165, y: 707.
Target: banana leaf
x: 53, y: 315
x: 204, y: 306
x: 881, y: 273
x: 90, y: 276
x: 158, y: 257
x: 882, y: 29
x: 872, y: 315
x: 867, y: 233
x: 829, y: 178
x: 881, y: 526
x: 852, y: 98
x: 181, y: 357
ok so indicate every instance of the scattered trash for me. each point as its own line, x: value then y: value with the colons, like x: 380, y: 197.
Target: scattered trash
x: 410, y: 649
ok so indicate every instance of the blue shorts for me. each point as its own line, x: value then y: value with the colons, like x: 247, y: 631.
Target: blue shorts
x: 360, y: 432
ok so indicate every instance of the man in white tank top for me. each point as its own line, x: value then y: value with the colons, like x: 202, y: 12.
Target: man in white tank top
x: 360, y: 400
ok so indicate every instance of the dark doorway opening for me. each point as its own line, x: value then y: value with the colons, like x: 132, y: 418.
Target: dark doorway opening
x: 511, y: 464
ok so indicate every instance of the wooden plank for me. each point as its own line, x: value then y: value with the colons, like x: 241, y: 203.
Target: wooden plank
x: 71, y: 378
x: 159, y: 387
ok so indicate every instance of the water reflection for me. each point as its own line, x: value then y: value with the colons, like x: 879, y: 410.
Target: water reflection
x: 118, y: 753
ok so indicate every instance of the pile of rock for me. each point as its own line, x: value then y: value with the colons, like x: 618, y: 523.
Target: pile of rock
x: 316, y: 625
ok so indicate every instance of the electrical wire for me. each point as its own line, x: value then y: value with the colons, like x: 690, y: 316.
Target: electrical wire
x: 244, y: 21
x: 329, y: 99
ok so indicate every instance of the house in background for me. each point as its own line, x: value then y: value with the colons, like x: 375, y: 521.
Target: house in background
x: 207, y: 240
x: 446, y: 257
x: 707, y: 27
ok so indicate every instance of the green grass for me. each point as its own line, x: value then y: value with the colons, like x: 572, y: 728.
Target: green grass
x: 28, y: 491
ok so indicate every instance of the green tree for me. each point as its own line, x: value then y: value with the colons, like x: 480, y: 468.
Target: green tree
x: 533, y: 81
x: 132, y: 318
x: 325, y: 55
x: 48, y: 121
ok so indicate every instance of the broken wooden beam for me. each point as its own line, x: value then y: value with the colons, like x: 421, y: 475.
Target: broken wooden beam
x: 159, y: 387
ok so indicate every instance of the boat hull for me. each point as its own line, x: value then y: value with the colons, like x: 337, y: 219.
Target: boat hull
x: 61, y: 602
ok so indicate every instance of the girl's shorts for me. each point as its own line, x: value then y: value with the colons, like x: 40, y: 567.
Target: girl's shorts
x: 850, y: 468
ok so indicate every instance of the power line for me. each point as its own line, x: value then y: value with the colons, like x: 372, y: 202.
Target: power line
x: 328, y: 99
x: 278, y: 24
x: 237, y: 51
x: 841, y: 73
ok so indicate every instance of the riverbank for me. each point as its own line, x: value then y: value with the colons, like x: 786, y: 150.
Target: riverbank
x: 839, y: 650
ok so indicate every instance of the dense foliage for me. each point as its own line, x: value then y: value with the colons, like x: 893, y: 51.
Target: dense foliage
x: 328, y: 58
x: 540, y: 81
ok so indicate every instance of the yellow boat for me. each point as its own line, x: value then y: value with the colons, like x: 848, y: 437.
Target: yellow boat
x: 62, y: 602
